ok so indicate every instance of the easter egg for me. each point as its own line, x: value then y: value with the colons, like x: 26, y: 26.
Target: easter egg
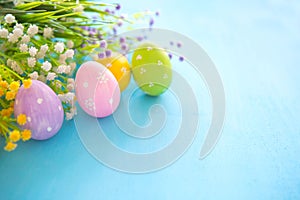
x: 43, y: 110
x: 97, y: 90
x: 119, y: 66
x: 151, y: 69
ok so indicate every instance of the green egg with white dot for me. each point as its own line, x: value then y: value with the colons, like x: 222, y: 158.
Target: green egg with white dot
x: 151, y: 69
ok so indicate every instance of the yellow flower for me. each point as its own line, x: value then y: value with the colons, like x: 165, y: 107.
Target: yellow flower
x: 10, y: 146
x: 3, y: 84
x: 26, y: 135
x: 1, y: 92
x: 21, y: 119
x: 6, y: 112
x: 10, y: 95
x: 14, y: 136
x: 27, y: 83
x: 14, y: 86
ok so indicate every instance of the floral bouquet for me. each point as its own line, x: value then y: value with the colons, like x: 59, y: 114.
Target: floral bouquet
x: 41, y: 45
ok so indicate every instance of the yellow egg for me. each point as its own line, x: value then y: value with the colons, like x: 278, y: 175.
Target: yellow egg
x: 119, y: 66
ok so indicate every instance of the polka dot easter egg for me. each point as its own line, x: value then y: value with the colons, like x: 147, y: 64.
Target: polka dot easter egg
x: 42, y: 108
x: 151, y: 69
x: 119, y: 66
x: 97, y: 90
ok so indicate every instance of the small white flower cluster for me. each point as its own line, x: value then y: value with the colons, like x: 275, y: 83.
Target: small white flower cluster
x: 48, y: 32
x: 36, y: 60
x: 79, y: 8
x: 14, y: 66
x: 9, y: 18
x: 69, y: 98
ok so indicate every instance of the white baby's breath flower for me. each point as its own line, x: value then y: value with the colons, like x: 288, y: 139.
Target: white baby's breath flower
x: 16, y: 67
x: 32, y: 30
x: 70, y: 115
x: 23, y: 47
x: 12, y: 38
x: 71, y: 81
x: 40, y: 55
x: 20, y: 26
x: 70, y: 87
x: 9, y: 62
x: 25, y: 39
x: 9, y: 18
x: 51, y: 76
x: 72, y: 68
x: 70, y: 44
x: 46, y: 66
x: 79, y: 8
x: 69, y: 53
x: 18, y: 32
x: 61, y: 69
x: 13, y: 64
x: 44, y: 48
x: 69, y: 97
x: 31, y: 61
x: 59, y: 47
x: 42, y: 78
x: 68, y: 69
x: 48, y: 32
x: 73, y: 64
x: 18, y: 2
x: 58, y: 84
x: 32, y: 51
x: 3, y: 33
x: 34, y: 75
x: 62, y: 97
x: 62, y: 58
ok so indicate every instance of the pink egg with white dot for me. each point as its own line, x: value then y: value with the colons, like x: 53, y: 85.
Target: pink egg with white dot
x: 42, y: 108
x: 97, y: 90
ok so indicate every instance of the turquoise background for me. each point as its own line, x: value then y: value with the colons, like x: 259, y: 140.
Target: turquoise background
x: 255, y: 46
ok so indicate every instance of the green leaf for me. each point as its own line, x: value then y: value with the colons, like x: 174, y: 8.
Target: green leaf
x: 28, y: 6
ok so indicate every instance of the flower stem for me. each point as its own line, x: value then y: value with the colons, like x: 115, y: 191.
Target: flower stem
x: 13, y: 72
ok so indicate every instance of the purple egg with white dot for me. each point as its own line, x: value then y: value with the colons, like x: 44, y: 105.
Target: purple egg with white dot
x: 43, y: 109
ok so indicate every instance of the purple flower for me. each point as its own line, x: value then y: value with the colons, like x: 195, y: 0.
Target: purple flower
x: 99, y: 35
x: 179, y: 44
x: 107, y: 10
x: 157, y: 13
x: 101, y: 55
x: 108, y: 53
x: 139, y: 38
x: 115, y: 30
x: 120, y: 23
x: 84, y: 28
x: 124, y: 47
x: 170, y: 55
x: 118, y: 7
x: 103, y: 44
x: 122, y: 40
x: 181, y: 58
x: 92, y: 33
x: 151, y: 22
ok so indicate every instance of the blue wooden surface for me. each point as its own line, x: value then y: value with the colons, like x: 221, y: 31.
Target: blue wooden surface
x: 255, y: 46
